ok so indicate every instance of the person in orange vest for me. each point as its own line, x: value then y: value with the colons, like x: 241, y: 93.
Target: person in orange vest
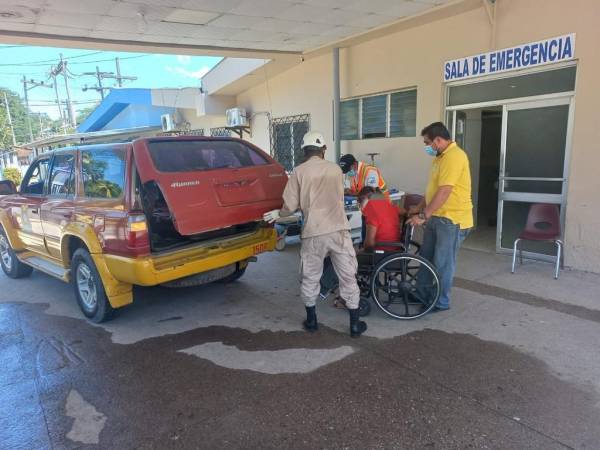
x: 361, y: 175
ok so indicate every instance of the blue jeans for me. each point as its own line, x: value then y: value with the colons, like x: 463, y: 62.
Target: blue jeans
x: 441, y: 242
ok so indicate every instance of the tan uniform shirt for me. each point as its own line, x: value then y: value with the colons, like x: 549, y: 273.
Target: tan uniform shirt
x: 317, y: 189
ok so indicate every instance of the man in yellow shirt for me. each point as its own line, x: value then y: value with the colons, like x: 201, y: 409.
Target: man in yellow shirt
x: 447, y: 210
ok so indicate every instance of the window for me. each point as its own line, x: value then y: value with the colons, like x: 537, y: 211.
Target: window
x: 188, y: 156
x: 349, y: 111
x: 374, y: 116
x: 61, y: 177
x: 34, y: 180
x: 286, y: 139
x: 103, y: 173
x: 539, y: 83
x: 220, y: 132
x: 403, y: 114
x: 385, y: 115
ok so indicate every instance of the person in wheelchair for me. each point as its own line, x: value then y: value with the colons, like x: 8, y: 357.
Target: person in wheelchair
x: 382, y: 219
x: 383, y: 225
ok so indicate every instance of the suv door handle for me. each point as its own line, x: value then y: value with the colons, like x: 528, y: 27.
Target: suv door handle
x: 34, y: 210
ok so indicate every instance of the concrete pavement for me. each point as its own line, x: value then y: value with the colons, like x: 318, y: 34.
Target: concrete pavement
x: 514, y: 364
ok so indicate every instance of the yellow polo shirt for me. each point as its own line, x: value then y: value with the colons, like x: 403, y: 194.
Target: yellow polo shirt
x: 451, y: 168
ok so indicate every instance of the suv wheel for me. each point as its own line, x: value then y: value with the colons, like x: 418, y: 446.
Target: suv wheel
x: 89, y: 289
x: 11, y: 265
x: 234, y: 276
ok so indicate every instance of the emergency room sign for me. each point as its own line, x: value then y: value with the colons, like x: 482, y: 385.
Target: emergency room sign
x: 548, y: 51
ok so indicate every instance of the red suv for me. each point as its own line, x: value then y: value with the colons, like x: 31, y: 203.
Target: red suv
x: 178, y: 211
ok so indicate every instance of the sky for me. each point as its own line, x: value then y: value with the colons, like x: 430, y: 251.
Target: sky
x: 151, y: 70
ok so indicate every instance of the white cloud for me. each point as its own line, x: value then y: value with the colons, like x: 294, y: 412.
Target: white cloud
x: 188, y: 73
x: 184, y: 59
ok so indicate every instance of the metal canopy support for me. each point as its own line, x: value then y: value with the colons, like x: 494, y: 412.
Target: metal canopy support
x: 336, y: 104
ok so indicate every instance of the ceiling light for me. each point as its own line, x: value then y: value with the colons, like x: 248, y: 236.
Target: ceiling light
x: 188, y: 16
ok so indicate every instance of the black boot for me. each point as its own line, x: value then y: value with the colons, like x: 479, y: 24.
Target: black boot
x: 357, y: 327
x: 310, y: 324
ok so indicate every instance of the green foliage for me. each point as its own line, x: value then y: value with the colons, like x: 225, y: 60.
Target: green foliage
x: 83, y: 113
x: 18, y: 114
x: 13, y: 174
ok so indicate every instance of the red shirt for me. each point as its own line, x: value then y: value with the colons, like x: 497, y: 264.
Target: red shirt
x: 384, y: 215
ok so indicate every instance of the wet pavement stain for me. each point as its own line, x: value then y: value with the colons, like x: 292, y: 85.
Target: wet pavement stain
x: 170, y: 319
x: 273, y: 362
x: 54, y: 355
x: 88, y: 422
x: 427, y: 389
x: 581, y: 312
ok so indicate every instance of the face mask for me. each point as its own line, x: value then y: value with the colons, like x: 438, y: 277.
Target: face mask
x: 430, y: 150
x: 351, y: 173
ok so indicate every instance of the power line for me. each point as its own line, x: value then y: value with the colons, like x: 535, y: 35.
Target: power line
x: 44, y: 62
x: 112, y: 59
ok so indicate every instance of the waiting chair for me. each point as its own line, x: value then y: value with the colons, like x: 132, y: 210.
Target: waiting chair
x: 543, y: 225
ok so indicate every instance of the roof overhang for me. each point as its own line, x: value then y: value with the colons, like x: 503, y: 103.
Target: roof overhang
x: 261, y: 29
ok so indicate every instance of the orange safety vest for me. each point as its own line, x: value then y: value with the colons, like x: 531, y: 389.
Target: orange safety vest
x: 359, y: 181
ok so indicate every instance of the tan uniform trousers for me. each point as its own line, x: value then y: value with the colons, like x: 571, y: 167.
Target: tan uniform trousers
x: 338, y: 246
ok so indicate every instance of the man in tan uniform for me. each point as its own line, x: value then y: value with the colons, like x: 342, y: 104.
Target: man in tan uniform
x: 317, y: 189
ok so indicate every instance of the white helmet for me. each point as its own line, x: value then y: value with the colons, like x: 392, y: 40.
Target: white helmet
x: 313, y: 139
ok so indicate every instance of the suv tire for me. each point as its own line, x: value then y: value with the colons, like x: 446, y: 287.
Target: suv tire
x: 89, y: 289
x: 234, y: 276
x: 11, y: 265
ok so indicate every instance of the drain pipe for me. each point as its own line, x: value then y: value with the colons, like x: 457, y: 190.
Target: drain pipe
x: 336, y: 104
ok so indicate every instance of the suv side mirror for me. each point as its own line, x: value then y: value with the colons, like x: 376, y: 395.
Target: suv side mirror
x: 7, y: 187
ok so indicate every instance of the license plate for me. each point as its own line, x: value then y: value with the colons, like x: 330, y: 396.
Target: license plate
x: 259, y: 248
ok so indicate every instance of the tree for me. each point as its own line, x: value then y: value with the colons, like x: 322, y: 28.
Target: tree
x: 18, y: 114
x: 84, y: 113
x: 13, y: 174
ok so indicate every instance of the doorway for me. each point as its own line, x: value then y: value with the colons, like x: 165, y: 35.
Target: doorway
x: 516, y: 131
x: 479, y: 132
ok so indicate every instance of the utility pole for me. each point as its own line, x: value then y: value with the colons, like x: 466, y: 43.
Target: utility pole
x: 120, y: 78
x: 63, y: 67
x: 119, y: 82
x: 40, y: 134
x: 10, y: 124
x: 99, y: 76
x: 25, y: 89
x: 60, y: 111
x: 32, y: 84
x: 99, y: 82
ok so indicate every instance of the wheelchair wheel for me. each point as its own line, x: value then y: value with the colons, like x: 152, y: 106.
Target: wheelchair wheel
x: 414, y: 247
x: 405, y: 286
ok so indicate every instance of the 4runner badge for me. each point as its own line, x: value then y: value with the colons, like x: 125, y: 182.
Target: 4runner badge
x: 177, y: 184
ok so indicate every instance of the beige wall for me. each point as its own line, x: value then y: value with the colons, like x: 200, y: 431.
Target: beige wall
x: 206, y: 122
x: 414, y: 58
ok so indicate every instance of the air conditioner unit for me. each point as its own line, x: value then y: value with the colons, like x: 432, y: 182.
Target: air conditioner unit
x: 168, y: 122
x: 236, y: 117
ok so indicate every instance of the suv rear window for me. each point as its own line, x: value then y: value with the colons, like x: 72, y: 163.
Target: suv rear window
x: 188, y: 156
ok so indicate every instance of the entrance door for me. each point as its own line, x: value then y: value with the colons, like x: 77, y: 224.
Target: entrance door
x: 535, y: 137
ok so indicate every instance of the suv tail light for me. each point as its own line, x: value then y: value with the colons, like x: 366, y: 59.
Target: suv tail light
x: 136, y: 235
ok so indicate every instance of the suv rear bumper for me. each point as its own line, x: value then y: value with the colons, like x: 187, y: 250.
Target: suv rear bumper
x: 154, y: 270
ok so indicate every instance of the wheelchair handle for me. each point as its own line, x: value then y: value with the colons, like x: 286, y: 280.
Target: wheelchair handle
x: 408, y: 234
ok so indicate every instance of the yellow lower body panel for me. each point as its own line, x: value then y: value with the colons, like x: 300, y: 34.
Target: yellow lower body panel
x: 153, y: 270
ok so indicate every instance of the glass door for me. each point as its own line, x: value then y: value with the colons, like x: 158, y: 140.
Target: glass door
x: 533, y: 167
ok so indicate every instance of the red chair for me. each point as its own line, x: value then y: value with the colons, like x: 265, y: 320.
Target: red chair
x: 543, y: 225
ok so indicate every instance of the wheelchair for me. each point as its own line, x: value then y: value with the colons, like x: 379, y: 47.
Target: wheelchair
x: 401, y: 283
